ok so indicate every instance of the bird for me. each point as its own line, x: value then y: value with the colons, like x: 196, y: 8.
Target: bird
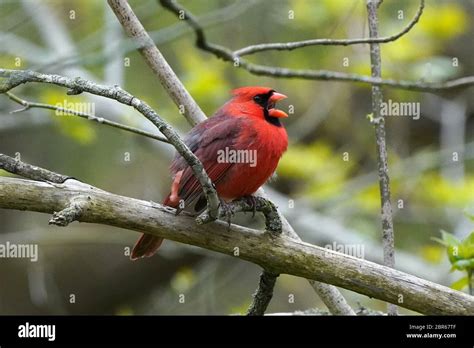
x: 239, y: 146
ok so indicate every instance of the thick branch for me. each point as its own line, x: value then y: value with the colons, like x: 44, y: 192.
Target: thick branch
x: 382, y: 158
x: 14, y: 78
x: 277, y: 254
x: 288, y: 46
x: 157, y: 62
x: 32, y: 105
x: 256, y: 69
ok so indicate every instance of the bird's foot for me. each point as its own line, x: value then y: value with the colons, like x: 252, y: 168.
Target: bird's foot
x: 252, y: 202
x: 226, y: 211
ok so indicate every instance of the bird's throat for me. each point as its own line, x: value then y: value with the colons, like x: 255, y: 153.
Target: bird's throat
x: 272, y: 120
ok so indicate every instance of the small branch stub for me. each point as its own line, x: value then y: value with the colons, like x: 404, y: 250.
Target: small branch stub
x: 71, y: 213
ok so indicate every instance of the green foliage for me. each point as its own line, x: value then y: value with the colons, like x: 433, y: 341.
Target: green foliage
x: 460, y: 284
x: 444, y: 21
x: 461, y: 256
x: 436, y: 190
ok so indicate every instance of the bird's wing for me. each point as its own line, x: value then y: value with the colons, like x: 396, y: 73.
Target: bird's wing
x: 205, y: 141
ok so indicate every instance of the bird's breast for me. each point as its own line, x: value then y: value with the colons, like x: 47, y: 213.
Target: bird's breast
x: 256, y: 154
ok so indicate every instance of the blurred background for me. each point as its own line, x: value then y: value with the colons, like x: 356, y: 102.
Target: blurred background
x: 326, y: 183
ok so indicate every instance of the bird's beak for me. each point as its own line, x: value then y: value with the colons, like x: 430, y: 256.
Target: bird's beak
x: 275, y: 112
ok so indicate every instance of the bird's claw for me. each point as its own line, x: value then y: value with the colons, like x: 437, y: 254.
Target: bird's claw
x: 252, y: 201
x: 226, y: 211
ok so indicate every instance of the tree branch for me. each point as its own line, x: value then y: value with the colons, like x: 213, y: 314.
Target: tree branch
x: 31, y: 105
x: 273, y: 225
x: 388, y: 237
x: 14, y: 78
x: 325, y: 75
x: 289, y: 46
x: 72, y: 212
x: 329, y: 294
x: 157, y: 62
x: 264, y: 294
x: 29, y: 171
x: 276, y: 254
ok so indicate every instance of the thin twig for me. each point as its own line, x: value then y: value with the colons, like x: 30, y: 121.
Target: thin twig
x: 14, y: 78
x: 263, y: 70
x: 30, y: 105
x: 288, y: 46
x: 157, y: 62
x: 28, y: 171
x: 382, y: 158
x: 264, y: 293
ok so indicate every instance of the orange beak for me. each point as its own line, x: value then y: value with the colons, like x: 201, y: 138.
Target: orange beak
x: 275, y: 112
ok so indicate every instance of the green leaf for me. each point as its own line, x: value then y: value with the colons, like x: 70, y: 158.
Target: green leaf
x: 466, y: 249
x: 469, y: 239
x: 460, y: 284
x: 463, y: 265
x: 449, y: 239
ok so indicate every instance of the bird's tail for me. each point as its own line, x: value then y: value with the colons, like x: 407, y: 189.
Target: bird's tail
x: 147, y: 244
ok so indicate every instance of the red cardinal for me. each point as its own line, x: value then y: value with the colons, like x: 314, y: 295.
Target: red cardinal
x: 248, y: 122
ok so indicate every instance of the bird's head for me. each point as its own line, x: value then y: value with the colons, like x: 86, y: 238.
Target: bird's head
x: 258, y: 102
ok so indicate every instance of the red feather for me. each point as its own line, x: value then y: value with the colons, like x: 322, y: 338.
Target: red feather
x: 243, y: 123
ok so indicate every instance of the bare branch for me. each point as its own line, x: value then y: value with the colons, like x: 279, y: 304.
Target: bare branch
x: 325, y: 75
x: 329, y: 294
x: 78, y: 85
x: 70, y: 213
x: 289, y: 46
x: 332, y: 298
x: 276, y: 254
x: 264, y: 294
x: 14, y: 166
x: 30, y: 105
x: 388, y: 237
x: 273, y: 225
x: 157, y: 62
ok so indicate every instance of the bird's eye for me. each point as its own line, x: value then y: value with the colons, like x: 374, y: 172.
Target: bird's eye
x: 258, y: 99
